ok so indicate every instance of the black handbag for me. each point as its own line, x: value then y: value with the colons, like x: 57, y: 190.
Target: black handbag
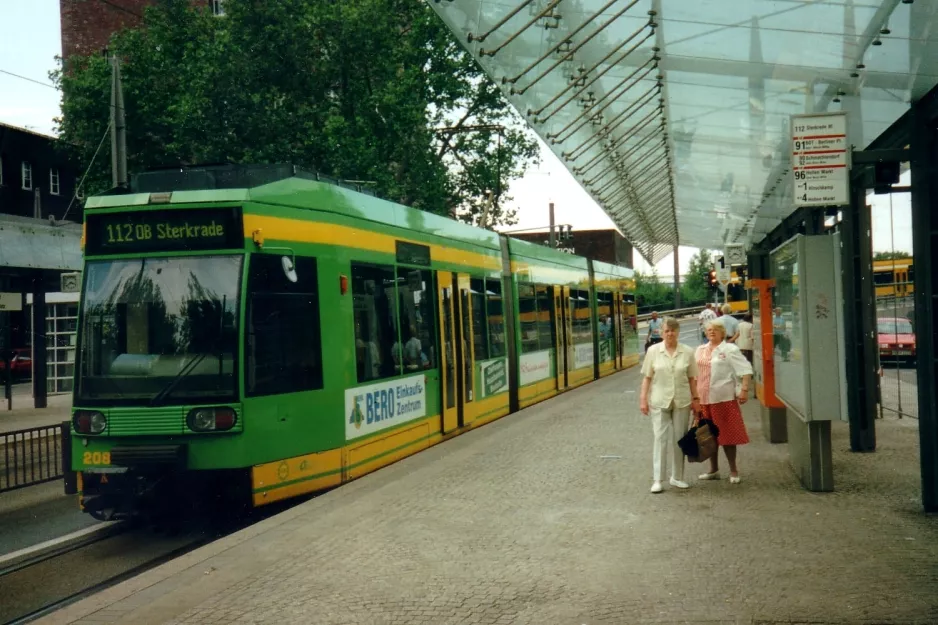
x: 700, y: 441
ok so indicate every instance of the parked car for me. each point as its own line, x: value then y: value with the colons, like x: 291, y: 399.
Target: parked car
x: 21, y: 364
x: 896, y: 339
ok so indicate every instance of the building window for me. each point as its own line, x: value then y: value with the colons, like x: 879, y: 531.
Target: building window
x: 27, y: 175
x: 54, y: 181
x: 218, y: 7
x: 284, y: 348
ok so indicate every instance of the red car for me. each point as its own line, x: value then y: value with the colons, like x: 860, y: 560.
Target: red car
x: 21, y: 364
x: 896, y: 339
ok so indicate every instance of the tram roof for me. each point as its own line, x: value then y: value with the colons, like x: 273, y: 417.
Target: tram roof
x: 674, y: 115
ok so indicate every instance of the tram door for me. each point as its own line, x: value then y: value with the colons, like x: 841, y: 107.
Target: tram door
x: 448, y: 362
x: 564, y: 339
x: 456, y: 341
x: 617, y: 321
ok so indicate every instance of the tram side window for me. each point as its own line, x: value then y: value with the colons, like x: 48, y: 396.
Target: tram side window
x: 416, y: 301
x: 496, y: 318
x: 582, y: 321
x: 527, y: 314
x: 545, y: 317
x: 284, y: 349
x: 605, y: 314
x: 883, y: 277
x: 375, y: 321
x: 479, y: 322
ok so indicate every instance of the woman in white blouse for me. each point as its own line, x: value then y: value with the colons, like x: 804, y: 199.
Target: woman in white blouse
x: 721, y: 366
x: 669, y: 391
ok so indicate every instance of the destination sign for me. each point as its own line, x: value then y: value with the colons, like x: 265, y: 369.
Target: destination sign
x: 819, y: 159
x: 180, y: 230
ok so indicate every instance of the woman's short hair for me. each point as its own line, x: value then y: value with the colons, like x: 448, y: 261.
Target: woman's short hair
x: 717, y: 324
x: 727, y: 309
x: 672, y: 323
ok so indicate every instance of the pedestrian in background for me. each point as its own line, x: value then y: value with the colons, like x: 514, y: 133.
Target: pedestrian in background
x: 730, y: 322
x: 669, y: 392
x: 721, y: 366
x: 654, y: 331
x: 746, y: 341
x: 706, y: 315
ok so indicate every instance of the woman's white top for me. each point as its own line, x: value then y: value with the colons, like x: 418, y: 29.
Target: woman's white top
x: 669, y: 375
x: 727, y: 364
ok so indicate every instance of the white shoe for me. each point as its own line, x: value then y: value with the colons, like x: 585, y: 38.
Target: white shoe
x: 709, y: 476
x: 679, y: 484
x: 656, y: 487
x: 734, y: 479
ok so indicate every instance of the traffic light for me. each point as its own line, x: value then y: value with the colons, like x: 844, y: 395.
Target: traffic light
x: 712, y: 278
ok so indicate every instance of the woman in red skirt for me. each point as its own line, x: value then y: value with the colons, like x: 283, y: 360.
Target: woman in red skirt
x: 720, y: 365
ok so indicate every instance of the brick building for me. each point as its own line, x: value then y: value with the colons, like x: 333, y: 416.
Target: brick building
x: 607, y: 246
x: 87, y: 25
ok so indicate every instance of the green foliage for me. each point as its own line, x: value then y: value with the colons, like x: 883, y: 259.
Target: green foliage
x: 651, y: 293
x: 357, y: 90
x: 695, y: 289
x: 894, y: 255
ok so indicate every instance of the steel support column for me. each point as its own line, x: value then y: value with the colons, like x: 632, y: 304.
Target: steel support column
x: 859, y: 315
x: 40, y: 370
x: 924, y: 149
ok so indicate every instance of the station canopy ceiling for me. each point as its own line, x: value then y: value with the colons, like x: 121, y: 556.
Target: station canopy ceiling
x: 675, y: 114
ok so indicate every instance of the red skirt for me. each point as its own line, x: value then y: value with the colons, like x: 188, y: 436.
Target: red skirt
x: 727, y: 416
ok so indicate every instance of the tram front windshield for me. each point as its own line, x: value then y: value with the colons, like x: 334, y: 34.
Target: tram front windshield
x: 159, y: 331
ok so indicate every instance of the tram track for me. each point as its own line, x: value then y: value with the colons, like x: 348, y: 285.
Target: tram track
x: 54, y: 577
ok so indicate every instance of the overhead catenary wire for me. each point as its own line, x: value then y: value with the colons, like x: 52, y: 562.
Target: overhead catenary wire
x: 85, y: 175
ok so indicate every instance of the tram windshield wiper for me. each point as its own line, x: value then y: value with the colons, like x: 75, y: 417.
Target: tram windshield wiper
x: 185, y: 371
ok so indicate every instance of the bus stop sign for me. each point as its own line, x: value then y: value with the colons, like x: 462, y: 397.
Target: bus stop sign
x: 723, y: 275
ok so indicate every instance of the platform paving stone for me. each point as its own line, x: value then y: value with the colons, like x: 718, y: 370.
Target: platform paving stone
x: 525, y: 521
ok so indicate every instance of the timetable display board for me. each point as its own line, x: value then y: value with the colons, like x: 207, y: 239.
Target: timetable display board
x: 178, y: 230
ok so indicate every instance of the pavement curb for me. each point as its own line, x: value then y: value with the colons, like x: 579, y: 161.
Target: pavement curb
x: 17, y: 559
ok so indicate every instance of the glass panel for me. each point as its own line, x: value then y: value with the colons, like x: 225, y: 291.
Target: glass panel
x: 160, y: 330
x: 375, y: 322
x: 894, y: 326
x: 450, y: 355
x: 416, y: 305
x: 607, y: 328
x: 734, y: 73
x: 582, y: 320
x: 545, y: 318
x: 283, y: 348
x: 479, y: 319
x: 527, y: 314
x: 466, y: 328
x: 496, y: 318
x: 786, y: 323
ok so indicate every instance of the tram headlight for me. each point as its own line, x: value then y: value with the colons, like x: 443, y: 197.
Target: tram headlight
x: 89, y: 422
x: 211, y: 419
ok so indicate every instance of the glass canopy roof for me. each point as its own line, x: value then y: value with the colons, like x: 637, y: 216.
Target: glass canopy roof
x: 674, y: 114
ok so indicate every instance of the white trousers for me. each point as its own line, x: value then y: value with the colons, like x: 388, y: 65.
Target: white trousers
x: 669, y: 425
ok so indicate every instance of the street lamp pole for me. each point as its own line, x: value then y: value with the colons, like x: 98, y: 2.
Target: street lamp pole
x: 553, y: 239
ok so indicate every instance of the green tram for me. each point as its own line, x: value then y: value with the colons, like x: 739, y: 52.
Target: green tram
x: 263, y: 332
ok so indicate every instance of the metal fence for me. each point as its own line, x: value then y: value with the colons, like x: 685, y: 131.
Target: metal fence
x: 35, y: 455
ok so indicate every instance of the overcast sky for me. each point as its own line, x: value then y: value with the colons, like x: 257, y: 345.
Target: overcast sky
x: 32, y: 39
